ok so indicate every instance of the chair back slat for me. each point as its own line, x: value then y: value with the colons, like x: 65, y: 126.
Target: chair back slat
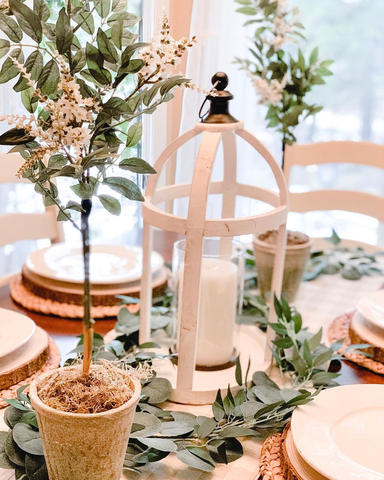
x: 24, y: 226
x: 358, y: 153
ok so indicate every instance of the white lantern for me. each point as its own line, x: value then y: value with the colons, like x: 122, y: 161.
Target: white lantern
x: 191, y: 386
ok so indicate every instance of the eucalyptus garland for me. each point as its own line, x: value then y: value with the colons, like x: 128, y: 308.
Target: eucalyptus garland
x: 351, y: 263
x: 198, y: 441
x: 259, y: 408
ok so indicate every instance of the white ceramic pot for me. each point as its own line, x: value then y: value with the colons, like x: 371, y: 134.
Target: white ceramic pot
x: 85, y: 446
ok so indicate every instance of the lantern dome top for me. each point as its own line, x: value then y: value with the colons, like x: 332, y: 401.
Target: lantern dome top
x: 219, y: 99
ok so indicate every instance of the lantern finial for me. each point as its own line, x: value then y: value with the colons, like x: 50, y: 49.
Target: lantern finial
x: 219, y: 111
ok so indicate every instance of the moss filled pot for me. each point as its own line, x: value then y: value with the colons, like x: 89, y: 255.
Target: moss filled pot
x: 296, y: 257
x: 84, y: 446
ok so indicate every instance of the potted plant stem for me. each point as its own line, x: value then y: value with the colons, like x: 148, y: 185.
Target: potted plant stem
x: 84, y: 85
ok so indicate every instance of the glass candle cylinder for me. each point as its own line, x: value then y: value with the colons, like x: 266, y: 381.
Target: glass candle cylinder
x: 220, y: 299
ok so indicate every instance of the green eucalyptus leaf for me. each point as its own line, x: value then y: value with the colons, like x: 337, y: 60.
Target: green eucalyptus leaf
x: 176, y: 429
x: 111, y: 204
x: 4, y: 47
x: 158, y: 390
x: 162, y: 444
x: 84, y: 190
x: 285, y: 342
x: 86, y: 21
x: 324, y: 378
x: 117, y: 33
x: 64, y: 32
x: 136, y: 165
x: 9, y: 69
x: 13, y: 451
x: 206, y: 428
x: 238, y: 372
x: 307, y: 354
x: 218, y: 411
x: 78, y: 63
x: 267, y: 394
x: 12, y: 415
x: 28, y: 439
x: 314, y: 55
x: 194, y: 461
x: 129, y: 19
x: 250, y: 408
x: 49, y: 78
x: 57, y: 160
x: 103, y: 7
x: 106, y: 47
x: 36, y: 468
x: 134, y: 134
x: 15, y: 136
x: 28, y: 20
x: 234, y: 431
x: 315, y: 340
x: 34, y: 66
x: 10, y: 28
x: 323, y: 358
x: 119, y: 5
x: 225, y: 450
x: 152, y: 425
x: 185, y: 417
x: 41, y: 9
x: 125, y: 187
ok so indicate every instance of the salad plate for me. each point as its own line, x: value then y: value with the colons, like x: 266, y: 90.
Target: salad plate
x: 15, y: 330
x: 109, y: 264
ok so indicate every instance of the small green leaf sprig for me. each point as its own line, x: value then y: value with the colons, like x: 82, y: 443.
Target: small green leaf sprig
x: 350, y: 263
x: 282, y: 81
x: 301, y: 354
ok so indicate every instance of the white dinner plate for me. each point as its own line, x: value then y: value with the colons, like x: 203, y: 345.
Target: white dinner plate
x: 341, y: 432
x: 15, y: 331
x: 109, y: 263
x: 371, y: 307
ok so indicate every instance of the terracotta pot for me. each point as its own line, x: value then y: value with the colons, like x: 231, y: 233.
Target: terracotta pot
x: 295, y: 261
x: 85, y: 446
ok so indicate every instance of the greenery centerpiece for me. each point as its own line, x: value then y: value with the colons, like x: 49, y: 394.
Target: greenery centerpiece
x: 279, y: 71
x: 84, y: 84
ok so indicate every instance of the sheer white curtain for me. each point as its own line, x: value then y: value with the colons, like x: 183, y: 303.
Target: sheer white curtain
x: 222, y: 37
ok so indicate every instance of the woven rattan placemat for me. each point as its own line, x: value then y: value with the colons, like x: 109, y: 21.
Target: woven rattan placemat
x: 52, y: 363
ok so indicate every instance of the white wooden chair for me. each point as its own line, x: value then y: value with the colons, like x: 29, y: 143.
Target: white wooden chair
x: 24, y: 226
x: 359, y: 153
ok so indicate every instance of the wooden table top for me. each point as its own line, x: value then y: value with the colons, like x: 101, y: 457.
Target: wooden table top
x: 64, y: 331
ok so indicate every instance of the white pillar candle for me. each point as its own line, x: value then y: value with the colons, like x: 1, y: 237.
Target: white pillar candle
x: 217, y: 311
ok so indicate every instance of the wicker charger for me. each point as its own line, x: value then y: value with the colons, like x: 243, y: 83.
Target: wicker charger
x: 47, y: 301
x: 52, y: 362
x: 341, y: 328
x: 281, y: 461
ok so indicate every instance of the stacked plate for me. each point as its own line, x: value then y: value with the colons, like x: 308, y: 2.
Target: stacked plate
x: 56, y: 273
x: 367, y: 324
x: 24, y: 348
x: 339, y: 436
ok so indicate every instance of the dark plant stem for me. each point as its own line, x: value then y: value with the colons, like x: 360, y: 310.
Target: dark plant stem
x: 87, y: 301
x: 283, y: 149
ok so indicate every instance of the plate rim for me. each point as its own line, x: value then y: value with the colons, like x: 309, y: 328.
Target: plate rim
x: 371, y: 318
x: 137, y: 249
x: 26, y: 339
x: 327, y: 467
